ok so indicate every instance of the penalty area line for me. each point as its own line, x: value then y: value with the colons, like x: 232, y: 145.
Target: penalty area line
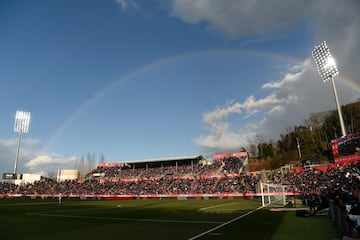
x: 215, y: 206
x: 226, y: 223
x: 124, y: 219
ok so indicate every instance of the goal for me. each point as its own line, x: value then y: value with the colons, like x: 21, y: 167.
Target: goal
x: 273, y: 194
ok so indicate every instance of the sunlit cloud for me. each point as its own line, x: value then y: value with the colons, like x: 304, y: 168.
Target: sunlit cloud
x: 31, y: 159
x: 239, y: 18
x: 49, y: 161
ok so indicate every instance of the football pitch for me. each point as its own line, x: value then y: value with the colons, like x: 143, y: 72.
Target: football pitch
x: 155, y: 219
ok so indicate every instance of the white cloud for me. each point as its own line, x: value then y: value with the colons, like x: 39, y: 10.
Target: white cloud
x: 287, y: 80
x: 31, y: 158
x: 228, y: 141
x: 8, y: 148
x: 238, y: 18
x: 52, y: 162
x: 125, y: 4
x: 222, y: 137
x: 277, y: 110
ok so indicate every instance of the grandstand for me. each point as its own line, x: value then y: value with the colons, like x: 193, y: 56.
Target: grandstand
x: 158, y: 167
x: 222, y: 174
x: 185, y: 166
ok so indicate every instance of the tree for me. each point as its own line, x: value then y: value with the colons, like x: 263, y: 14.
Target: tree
x: 252, y: 151
x: 90, y: 162
x: 101, y: 158
x: 269, y: 150
x: 80, y: 165
x: 351, y: 113
x: 259, y: 139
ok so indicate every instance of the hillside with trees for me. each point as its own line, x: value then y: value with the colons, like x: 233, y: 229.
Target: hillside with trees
x: 311, y: 140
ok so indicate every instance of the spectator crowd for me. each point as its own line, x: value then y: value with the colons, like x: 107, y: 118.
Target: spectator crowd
x: 224, y: 176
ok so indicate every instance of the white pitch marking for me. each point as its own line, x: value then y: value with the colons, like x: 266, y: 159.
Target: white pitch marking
x: 226, y: 223
x: 124, y: 219
x: 215, y: 206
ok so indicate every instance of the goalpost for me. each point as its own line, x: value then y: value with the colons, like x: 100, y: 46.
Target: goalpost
x: 273, y: 194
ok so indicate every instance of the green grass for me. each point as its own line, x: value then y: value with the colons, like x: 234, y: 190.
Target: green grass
x: 154, y: 219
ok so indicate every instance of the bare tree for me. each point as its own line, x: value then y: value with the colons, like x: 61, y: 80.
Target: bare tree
x: 80, y: 165
x: 259, y: 139
x: 90, y: 162
x: 101, y: 158
x: 256, y: 145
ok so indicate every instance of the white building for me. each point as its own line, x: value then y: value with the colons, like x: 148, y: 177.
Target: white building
x: 67, y: 174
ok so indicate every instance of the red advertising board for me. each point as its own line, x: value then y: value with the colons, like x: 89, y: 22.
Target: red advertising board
x: 111, y: 164
x: 228, y: 155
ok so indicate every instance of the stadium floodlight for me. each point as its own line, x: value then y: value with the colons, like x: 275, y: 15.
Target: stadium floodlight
x: 21, y: 125
x: 327, y: 69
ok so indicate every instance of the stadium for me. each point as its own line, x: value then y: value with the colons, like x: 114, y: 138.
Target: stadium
x: 216, y: 122
x: 202, y: 198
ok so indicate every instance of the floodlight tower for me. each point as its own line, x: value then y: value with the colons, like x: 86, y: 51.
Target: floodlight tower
x: 21, y: 125
x: 327, y: 69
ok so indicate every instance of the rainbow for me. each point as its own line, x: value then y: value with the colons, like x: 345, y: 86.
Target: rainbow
x: 208, y: 52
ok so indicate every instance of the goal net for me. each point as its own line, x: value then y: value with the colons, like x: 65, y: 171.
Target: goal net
x: 273, y: 194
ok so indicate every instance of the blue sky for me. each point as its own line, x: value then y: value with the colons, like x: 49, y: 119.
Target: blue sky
x: 150, y: 79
